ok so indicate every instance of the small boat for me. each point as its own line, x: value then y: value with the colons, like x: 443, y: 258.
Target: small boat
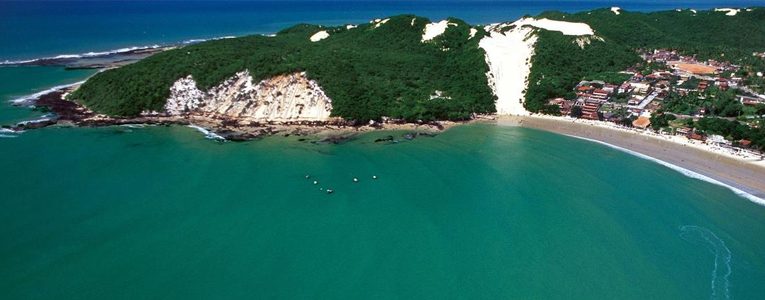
x: 315, y: 182
x: 330, y: 191
x: 355, y: 179
x: 374, y: 176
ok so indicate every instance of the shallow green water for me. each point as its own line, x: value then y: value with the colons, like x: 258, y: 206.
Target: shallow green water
x: 17, y: 82
x: 479, y: 211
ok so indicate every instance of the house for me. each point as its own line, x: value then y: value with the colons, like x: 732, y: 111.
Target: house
x: 684, y: 130
x: 635, y: 111
x: 734, y: 81
x: 703, y: 85
x: 717, y: 139
x: 653, y: 107
x: 696, y: 136
x: 590, y: 110
x: 744, y: 143
x: 583, y: 88
x: 563, y: 104
x: 626, y: 87
x: 600, y: 95
x: 642, y: 122
x: 641, y: 87
x: 609, y: 88
x: 720, y: 81
x: 750, y: 101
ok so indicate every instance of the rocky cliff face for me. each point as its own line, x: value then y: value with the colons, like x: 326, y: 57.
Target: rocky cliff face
x: 284, y: 98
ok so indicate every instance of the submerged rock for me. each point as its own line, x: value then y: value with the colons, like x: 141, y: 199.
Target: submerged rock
x: 385, y: 139
x: 237, y: 136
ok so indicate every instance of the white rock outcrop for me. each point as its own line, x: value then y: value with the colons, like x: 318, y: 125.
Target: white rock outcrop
x: 283, y: 98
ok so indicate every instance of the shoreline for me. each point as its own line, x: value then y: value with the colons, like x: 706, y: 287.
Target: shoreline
x: 335, y: 130
x: 736, y: 171
x: 746, y: 175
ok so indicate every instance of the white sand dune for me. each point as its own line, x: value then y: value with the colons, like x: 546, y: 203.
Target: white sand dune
x: 379, y: 22
x: 433, y: 30
x: 567, y: 28
x: 509, y: 53
x: 319, y: 36
x: 473, y: 32
x: 728, y: 11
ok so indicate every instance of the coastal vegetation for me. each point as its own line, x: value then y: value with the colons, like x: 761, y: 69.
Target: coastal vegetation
x: 374, y: 70
x: 385, y: 69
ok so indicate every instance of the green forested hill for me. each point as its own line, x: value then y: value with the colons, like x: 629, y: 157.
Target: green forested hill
x: 374, y: 71
x: 368, y: 71
x: 559, y: 63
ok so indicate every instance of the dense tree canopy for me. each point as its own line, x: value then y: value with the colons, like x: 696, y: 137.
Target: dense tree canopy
x: 374, y: 71
x: 369, y: 72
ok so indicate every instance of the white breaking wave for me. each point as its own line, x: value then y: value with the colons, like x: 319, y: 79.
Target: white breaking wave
x: 192, y: 41
x: 82, y: 55
x: 722, y: 268
x: 7, y: 133
x: 110, y: 52
x: 26, y: 99
x: 208, y: 134
x: 134, y: 126
x: 682, y: 170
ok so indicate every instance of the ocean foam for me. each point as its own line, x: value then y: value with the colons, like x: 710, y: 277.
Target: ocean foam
x: 682, y: 170
x: 208, y: 134
x: 134, y: 126
x: 82, y: 55
x: 193, y: 41
x: 29, y: 98
x: 8, y: 133
x: 722, y: 257
x: 110, y: 52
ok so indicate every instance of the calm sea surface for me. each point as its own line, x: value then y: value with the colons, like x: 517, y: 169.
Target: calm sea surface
x: 479, y: 211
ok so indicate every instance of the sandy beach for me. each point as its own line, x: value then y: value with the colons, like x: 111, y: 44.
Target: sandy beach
x: 747, y: 174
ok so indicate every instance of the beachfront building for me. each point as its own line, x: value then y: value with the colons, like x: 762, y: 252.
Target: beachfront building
x: 642, y: 122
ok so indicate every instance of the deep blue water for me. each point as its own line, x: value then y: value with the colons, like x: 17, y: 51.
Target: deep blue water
x: 33, y: 29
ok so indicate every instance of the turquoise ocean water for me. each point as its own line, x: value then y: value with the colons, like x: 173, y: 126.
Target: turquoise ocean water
x: 479, y: 211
